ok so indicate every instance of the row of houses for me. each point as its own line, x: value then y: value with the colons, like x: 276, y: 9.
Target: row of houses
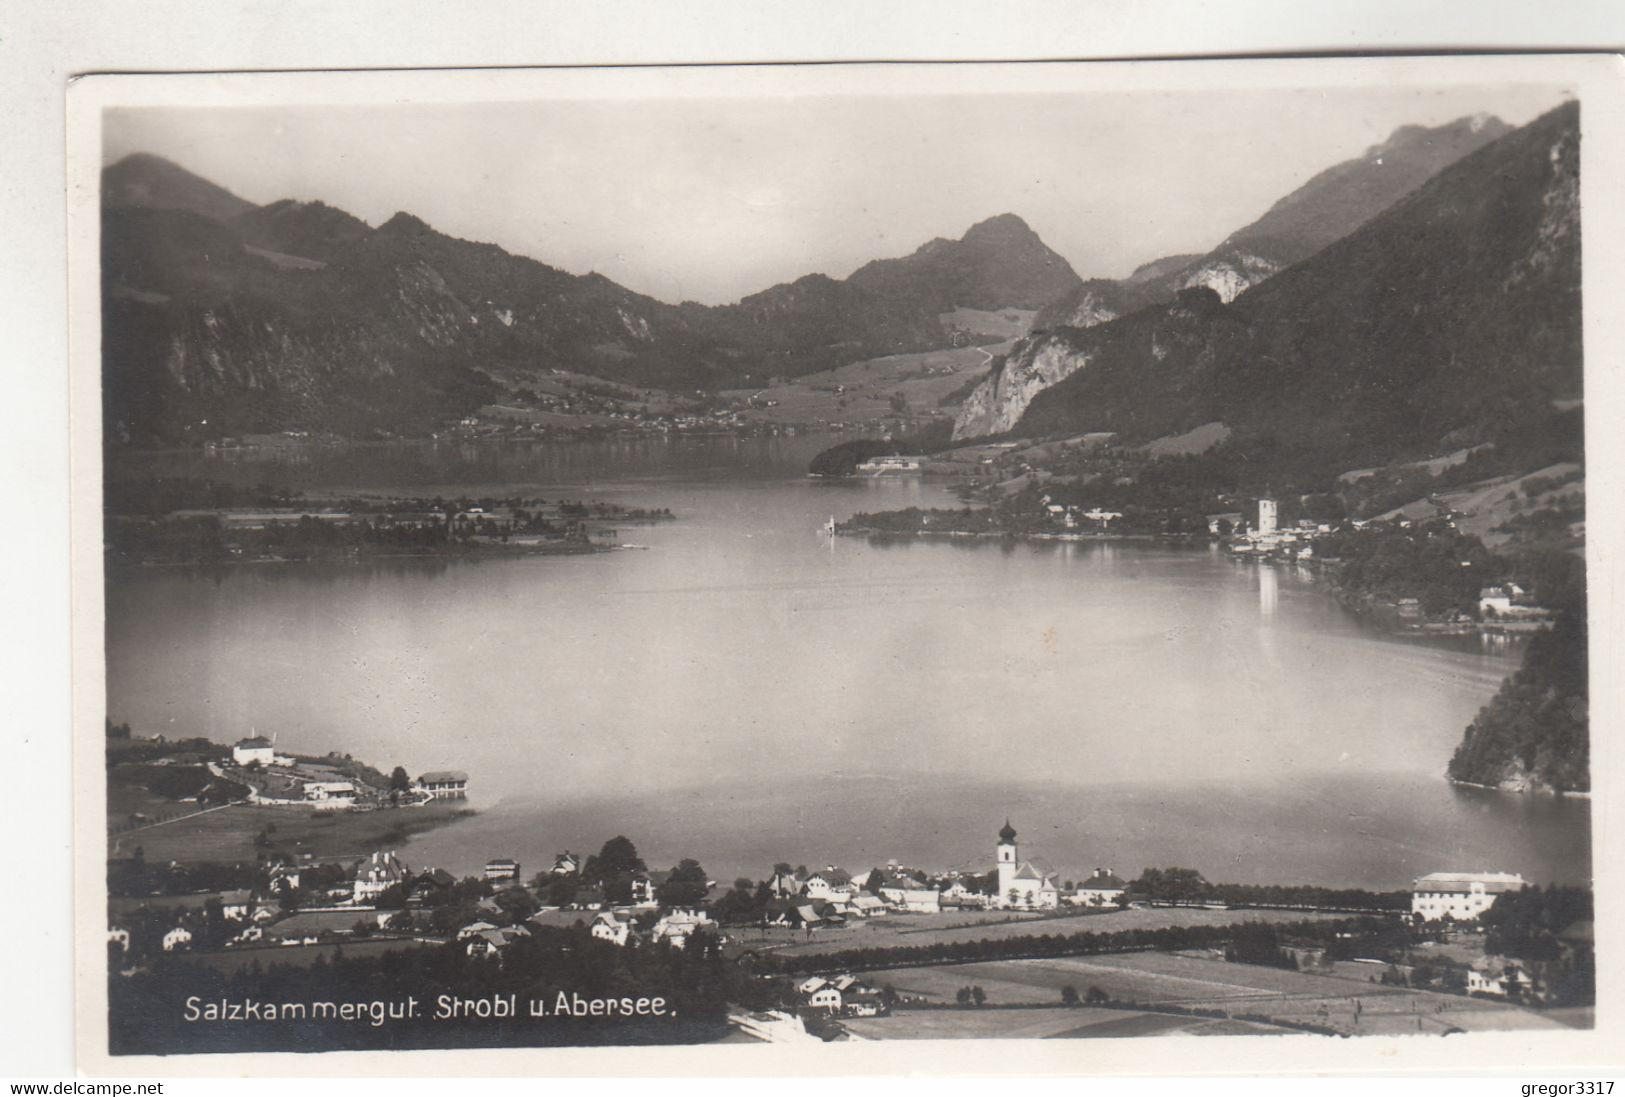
x: 626, y: 928
x: 1016, y: 884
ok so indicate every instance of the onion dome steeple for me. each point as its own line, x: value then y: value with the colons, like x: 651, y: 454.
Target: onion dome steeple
x: 1007, y: 833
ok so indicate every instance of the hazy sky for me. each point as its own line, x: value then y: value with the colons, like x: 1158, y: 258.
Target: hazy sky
x: 711, y: 199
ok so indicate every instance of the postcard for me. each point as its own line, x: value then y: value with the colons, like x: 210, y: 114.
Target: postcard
x: 770, y: 569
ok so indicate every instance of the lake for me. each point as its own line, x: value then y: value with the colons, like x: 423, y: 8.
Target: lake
x: 746, y: 690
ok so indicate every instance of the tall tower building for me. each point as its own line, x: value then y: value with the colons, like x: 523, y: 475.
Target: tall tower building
x: 1006, y: 851
x: 1267, y: 516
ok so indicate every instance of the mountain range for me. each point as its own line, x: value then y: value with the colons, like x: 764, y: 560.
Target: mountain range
x: 221, y: 316
x: 1325, y: 209
x: 1328, y: 207
x: 1411, y: 288
x: 1448, y: 319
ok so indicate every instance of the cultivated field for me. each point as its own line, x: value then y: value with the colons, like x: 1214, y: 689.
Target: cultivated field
x: 239, y: 959
x: 863, y: 391
x: 227, y: 834
x: 1192, y: 981
x: 899, y: 931
x: 1037, y: 1024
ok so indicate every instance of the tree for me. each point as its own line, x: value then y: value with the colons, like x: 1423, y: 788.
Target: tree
x: 962, y: 996
x: 1069, y: 995
x: 561, y: 891
x: 978, y: 995
x: 618, y: 856
x: 686, y: 885
x: 399, y: 781
x: 1094, y: 996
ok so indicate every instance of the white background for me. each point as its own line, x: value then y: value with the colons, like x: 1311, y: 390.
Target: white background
x: 43, y: 44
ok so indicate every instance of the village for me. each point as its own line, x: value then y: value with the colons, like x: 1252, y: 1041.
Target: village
x: 839, y: 948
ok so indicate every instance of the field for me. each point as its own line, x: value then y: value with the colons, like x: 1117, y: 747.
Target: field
x: 900, y: 931
x: 1344, y: 1000
x: 863, y: 391
x: 1039, y: 1024
x: 233, y: 960
x: 227, y: 834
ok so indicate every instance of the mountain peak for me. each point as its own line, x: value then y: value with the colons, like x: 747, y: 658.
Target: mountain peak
x: 145, y: 181
x: 1467, y: 133
x: 405, y: 224
x: 1004, y: 226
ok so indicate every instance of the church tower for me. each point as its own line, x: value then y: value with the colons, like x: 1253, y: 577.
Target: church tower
x: 1006, y: 850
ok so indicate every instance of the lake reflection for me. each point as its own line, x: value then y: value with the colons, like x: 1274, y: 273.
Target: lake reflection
x: 747, y: 686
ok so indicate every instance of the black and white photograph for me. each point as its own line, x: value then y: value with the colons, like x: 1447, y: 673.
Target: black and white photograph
x: 834, y: 555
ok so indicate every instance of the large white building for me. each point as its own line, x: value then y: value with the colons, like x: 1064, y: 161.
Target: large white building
x: 376, y: 875
x: 256, y: 748
x: 1268, y: 517
x: 1463, y: 896
x: 444, y: 784
x: 1022, y: 884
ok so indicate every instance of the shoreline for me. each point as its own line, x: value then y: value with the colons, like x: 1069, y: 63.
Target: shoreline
x: 1533, y: 788
x: 509, y: 551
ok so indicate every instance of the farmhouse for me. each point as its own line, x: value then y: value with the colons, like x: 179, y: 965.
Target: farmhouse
x: 1102, y: 889
x: 612, y: 926
x: 828, y: 883
x: 1460, y: 896
x: 820, y: 993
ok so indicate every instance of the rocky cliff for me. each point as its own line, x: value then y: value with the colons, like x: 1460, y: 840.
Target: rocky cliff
x: 1326, y: 209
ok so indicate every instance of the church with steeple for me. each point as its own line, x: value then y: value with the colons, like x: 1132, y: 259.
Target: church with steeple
x: 1023, y: 885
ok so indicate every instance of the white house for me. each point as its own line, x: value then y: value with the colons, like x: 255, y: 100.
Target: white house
x: 256, y: 748
x: 678, y: 925
x: 868, y: 906
x: 1022, y: 884
x: 820, y: 993
x: 612, y: 926
x: 828, y: 883
x: 489, y: 943
x: 376, y: 875
x: 282, y: 877
x: 444, y: 784
x: 1500, y: 977
x: 915, y: 900
x: 1102, y: 889
x: 566, y: 864
x: 330, y: 794
x: 1463, y: 896
x: 178, y: 939
x: 237, y: 905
